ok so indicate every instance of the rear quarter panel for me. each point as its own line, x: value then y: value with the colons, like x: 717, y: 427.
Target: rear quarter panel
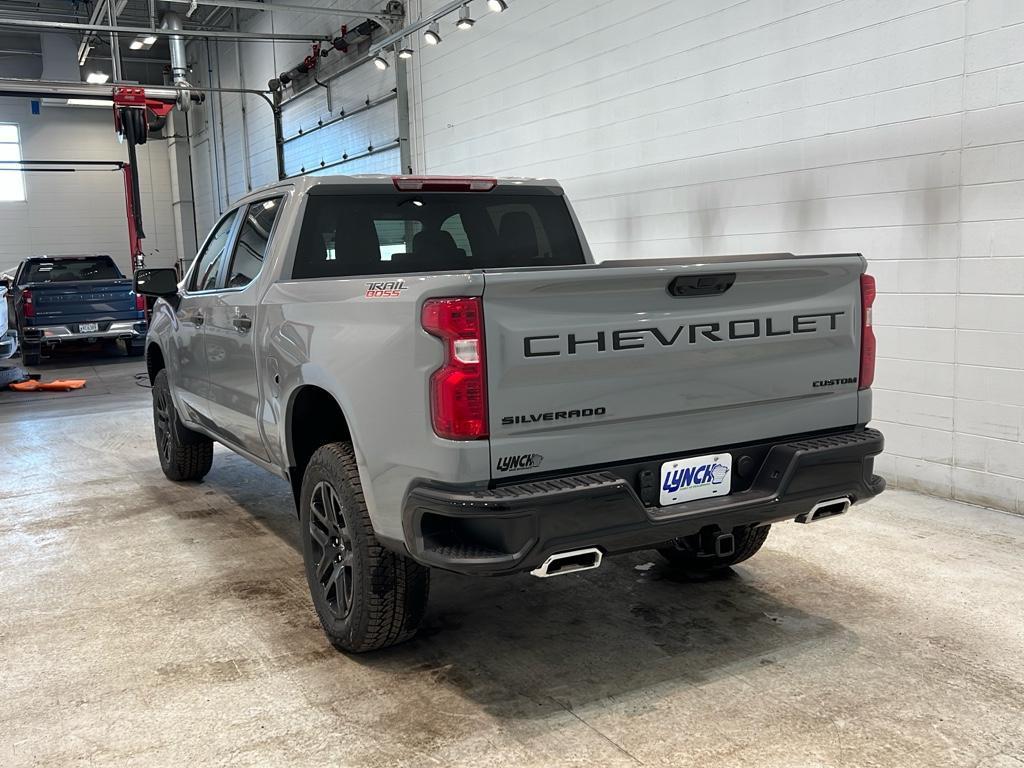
x: 372, y: 355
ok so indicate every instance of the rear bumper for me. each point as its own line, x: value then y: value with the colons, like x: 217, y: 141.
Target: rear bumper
x: 514, y: 528
x: 117, y: 329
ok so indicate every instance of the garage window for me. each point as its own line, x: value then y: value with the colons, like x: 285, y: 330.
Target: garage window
x: 12, y: 182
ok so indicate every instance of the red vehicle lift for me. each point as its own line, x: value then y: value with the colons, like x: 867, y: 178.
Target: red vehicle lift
x: 131, y: 121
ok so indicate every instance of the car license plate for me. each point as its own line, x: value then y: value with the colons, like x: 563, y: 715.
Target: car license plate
x: 88, y: 327
x: 695, y: 478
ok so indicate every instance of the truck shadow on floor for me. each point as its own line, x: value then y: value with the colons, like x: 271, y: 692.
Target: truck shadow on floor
x: 520, y: 647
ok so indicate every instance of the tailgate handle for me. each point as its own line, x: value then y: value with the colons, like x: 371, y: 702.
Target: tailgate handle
x: 702, y: 285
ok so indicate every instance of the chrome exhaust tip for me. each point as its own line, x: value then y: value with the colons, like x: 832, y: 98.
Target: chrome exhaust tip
x: 569, y: 562
x: 823, y: 509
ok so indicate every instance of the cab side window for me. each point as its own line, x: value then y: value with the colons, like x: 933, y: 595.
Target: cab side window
x: 253, y: 238
x: 207, y: 272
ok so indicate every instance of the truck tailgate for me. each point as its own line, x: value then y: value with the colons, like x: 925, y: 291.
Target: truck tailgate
x: 83, y: 301
x: 619, y: 361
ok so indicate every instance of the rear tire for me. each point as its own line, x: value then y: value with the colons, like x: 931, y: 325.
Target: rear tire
x: 366, y: 597
x: 184, y: 454
x: 133, y: 348
x: 748, y: 540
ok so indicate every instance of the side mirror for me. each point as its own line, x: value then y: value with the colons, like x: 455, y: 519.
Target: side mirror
x: 162, y: 283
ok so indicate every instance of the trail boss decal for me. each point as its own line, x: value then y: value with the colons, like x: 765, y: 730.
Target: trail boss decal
x: 515, y: 463
x: 385, y: 289
x: 618, y: 340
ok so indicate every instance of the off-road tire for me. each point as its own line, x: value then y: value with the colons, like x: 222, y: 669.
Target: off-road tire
x: 379, y: 595
x: 134, y: 349
x: 748, y: 540
x: 184, y: 454
x: 30, y: 354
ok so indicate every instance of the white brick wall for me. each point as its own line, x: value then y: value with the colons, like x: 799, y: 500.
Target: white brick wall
x: 82, y: 212
x: 895, y: 129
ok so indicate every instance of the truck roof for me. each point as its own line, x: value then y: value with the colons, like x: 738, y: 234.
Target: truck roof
x: 303, y: 184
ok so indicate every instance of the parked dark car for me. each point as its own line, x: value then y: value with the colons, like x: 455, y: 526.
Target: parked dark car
x: 61, y: 299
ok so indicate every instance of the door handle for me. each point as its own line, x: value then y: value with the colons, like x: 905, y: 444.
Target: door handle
x: 242, y: 322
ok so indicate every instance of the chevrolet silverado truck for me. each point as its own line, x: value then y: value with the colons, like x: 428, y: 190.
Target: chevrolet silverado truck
x: 62, y: 299
x: 448, y: 380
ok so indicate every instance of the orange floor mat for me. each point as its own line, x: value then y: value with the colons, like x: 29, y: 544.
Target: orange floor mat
x: 58, y: 385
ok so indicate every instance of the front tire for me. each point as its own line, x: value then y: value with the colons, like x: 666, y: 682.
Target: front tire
x: 184, y: 454
x: 748, y: 540
x: 366, y: 597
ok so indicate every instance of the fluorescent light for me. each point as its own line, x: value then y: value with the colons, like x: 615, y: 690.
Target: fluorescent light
x: 497, y: 5
x: 464, y: 22
x: 433, y: 34
x: 90, y: 103
x: 136, y: 45
x: 149, y: 40
x: 380, y: 62
x: 97, y: 78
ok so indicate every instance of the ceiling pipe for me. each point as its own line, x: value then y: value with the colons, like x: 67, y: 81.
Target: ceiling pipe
x: 179, y: 61
x: 73, y: 90
x: 200, y: 33
x: 250, y: 5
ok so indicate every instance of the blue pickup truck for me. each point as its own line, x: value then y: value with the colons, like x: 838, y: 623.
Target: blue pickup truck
x: 61, y: 299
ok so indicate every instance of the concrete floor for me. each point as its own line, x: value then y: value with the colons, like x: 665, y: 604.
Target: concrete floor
x: 148, y: 623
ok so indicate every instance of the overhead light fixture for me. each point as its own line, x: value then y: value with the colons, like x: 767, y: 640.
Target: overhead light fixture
x: 433, y: 35
x: 380, y: 62
x: 97, y: 78
x: 498, y: 6
x: 90, y: 103
x: 464, y: 22
x: 405, y: 52
x: 143, y: 42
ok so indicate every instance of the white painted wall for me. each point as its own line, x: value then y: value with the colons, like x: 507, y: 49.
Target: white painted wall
x: 895, y: 129
x: 83, y: 212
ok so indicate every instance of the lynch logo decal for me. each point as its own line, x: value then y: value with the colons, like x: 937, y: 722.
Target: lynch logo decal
x: 618, y: 340
x: 525, y: 461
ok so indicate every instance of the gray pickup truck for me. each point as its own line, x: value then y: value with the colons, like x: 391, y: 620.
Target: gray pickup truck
x: 448, y: 380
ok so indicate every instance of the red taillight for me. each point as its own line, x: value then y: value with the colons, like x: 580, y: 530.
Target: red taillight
x: 140, y: 302
x: 867, y: 333
x: 27, y: 307
x: 458, y: 389
x: 444, y: 183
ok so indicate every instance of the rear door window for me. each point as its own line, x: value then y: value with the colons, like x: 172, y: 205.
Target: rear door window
x: 401, y: 232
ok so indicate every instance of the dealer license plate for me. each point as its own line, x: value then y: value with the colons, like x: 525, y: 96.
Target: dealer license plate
x: 88, y: 327
x: 695, y: 478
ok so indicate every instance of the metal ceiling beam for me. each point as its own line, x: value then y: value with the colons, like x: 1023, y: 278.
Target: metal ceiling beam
x: 200, y: 33
x: 251, y: 5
